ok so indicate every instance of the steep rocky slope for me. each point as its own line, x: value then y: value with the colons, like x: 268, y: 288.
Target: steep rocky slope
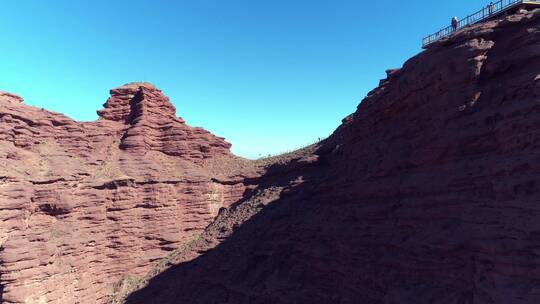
x: 428, y: 193
x: 86, y: 205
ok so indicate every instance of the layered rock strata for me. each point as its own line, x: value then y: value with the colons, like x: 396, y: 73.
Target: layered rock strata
x: 85, y: 205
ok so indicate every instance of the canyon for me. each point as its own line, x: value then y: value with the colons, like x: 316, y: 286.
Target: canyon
x: 427, y: 193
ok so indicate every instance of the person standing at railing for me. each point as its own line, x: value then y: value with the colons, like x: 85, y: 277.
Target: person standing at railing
x: 454, y: 23
x: 490, y: 8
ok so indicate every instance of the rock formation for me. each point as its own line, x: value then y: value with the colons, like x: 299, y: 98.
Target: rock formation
x: 155, y: 127
x: 428, y: 193
x: 85, y: 205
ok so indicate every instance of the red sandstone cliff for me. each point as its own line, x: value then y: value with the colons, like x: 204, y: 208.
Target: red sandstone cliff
x: 85, y: 205
x: 428, y: 193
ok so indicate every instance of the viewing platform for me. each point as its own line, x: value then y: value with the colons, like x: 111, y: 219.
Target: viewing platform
x: 495, y: 9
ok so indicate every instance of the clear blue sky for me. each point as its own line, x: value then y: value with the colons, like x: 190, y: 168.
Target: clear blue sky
x: 268, y: 75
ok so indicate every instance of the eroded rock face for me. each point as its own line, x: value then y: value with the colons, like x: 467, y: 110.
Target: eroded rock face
x: 153, y: 125
x: 84, y: 205
x: 428, y: 193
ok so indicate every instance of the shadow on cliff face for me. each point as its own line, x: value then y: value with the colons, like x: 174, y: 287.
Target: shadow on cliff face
x: 250, y: 266
x: 314, y: 246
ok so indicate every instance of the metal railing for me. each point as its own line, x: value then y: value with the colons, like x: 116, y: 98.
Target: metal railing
x: 483, y: 14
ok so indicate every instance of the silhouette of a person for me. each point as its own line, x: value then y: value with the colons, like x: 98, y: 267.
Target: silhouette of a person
x: 454, y: 23
x: 491, y: 6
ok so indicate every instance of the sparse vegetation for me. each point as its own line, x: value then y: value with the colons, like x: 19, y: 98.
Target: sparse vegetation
x: 56, y: 233
x: 221, y: 227
x: 292, y: 151
x: 131, y: 283
x: 109, y: 168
